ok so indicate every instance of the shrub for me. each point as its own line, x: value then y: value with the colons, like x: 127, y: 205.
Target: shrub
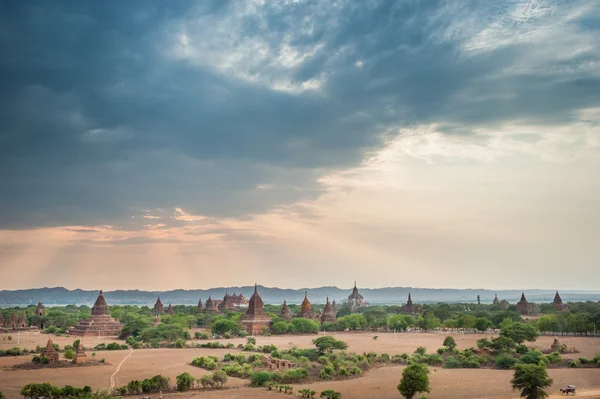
x: 452, y: 363
x: 330, y: 394
x: 327, y: 372
x: 208, y: 362
x: 421, y: 350
x: 155, y: 384
x: 69, y: 354
x: 521, y: 349
x: 236, y: 370
x: 449, y: 343
x: 294, y: 375
x: 505, y: 361
x: 260, y: 378
x: 199, y: 335
x: 534, y: 357
x: 184, y: 382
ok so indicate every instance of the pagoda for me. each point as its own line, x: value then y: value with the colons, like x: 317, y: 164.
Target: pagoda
x: 328, y: 316
x: 156, y: 321
x: 558, y: 303
x: 40, y: 310
x: 504, y: 304
x: 200, y: 304
x: 210, y: 306
x: 355, y: 299
x: 286, y: 313
x: 100, y: 322
x: 13, y: 322
x: 158, y: 307
x: 524, y: 307
x: 306, y: 309
x: 496, y: 301
x: 170, y: 309
x: 228, y: 302
x: 80, y: 356
x: 408, y: 308
x: 50, y: 353
x: 256, y: 321
x: 22, y: 321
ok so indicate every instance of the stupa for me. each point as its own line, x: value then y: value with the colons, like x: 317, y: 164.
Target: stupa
x: 210, y: 306
x: 50, y: 353
x: 200, y: 305
x: 80, y: 356
x: 558, y: 303
x: 22, y: 321
x: 328, y: 316
x: 286, y: 314
x: 408, y: 308
x: 255, y: 320
x: 158, y: 307
x: 496, y: 301
x: 227, y: 303
x: 306, y: 309
x: 100, y: 322
x: 504, y: 304
x: 40, y: 310
x: 524, y: 307
x: 170, y: 309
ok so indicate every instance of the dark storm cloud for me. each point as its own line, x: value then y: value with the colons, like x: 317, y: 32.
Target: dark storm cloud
x: 98, y: 122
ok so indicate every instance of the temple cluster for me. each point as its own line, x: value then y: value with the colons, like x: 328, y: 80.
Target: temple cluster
x: 255, y: 320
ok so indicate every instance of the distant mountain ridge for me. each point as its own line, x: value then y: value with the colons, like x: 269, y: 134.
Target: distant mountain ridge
x: 389, y: 295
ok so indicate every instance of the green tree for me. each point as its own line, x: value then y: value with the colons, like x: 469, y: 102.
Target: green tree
x: 221, y: 326
x: 302, y: 325
x: 397, y: 323
x: 184, y: 382
x: 415, y: 379
x: 69, y: 354
x: 519, y: 332
x: 328, y: 344
x: 354, y: 322
x: 482, y: 324
x: 531, y: 380
x: 449, y: 343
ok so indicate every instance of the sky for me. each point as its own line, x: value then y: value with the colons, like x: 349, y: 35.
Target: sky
x: 160, y: 145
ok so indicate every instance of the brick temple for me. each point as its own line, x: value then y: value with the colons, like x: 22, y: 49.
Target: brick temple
x: 328, y: 316
x: 524, y: 307
x: 100, y: 322
x: 158, y: 307
x: 286, y: 313
x: 255, y: 320
x: 558, y: 304
x: 306, y: 309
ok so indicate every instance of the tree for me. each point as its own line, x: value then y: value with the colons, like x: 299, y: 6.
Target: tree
x: 519, y: 332
x: 69, y: 354
x: 220, y: 378
x: 354, y: 321
x: 302, y: 325
x: 415, y: 379
x: 449, y: 343
x: 482, y: 324
x: 184, y: 382
x: 221, y: 326
x: 328, y: 344
x: 281, y: 327
x: 397, y: 323
x: 531, y: 379
x: 503, y: 344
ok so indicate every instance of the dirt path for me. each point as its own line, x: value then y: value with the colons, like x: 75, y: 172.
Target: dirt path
x: 114, y: 374
x: 591, y: 393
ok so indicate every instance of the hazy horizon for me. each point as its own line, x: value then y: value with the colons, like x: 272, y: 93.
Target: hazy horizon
x: 184, y: 145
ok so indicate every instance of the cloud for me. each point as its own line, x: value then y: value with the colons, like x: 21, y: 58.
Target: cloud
x: 230, y: 108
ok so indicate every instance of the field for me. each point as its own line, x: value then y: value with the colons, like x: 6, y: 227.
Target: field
x: 123, y: 366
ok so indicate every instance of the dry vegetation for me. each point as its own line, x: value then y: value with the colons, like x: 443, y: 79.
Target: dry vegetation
x: 379, y: 383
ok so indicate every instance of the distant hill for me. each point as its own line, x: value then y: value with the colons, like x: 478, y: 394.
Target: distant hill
x: 391, y: 295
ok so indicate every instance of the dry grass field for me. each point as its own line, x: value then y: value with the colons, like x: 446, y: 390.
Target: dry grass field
x: 379, y: 383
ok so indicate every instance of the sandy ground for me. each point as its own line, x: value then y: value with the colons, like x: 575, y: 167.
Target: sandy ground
x: 379, y: 383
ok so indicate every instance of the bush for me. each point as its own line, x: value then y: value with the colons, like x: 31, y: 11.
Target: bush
x: 185, y: 382
x: 327, y: 372
x: 69, y: 354
x: 215, y: 380
x: 330, y: 394
x: 155, y: 384
x: 521, y: 349
x: 534, y: 357
x: 207, y: 362
x: 260, y: 378
x: 237, y: 370
x: 452, y: 363
x: 421, y: 350
x: 199, y: 335
x: 505, y: 361
x: 449, y: 343
x: 294, y: 376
